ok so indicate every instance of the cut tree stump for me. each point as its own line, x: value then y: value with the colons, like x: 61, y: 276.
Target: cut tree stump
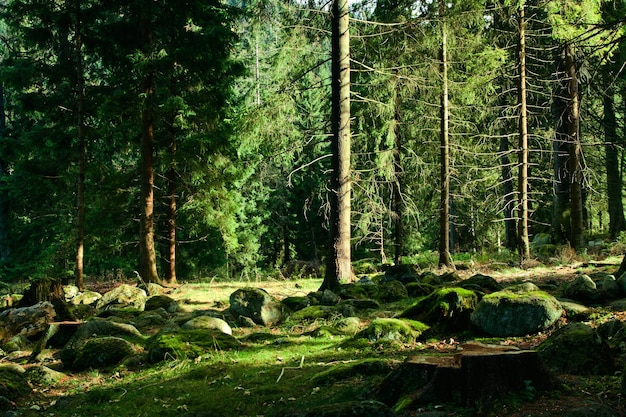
x: 477, y: 374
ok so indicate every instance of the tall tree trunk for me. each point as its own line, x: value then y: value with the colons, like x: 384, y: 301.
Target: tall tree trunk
x: 510, y: 225
x: 444, y: 206
x: 522, y: 184
x: 398, y: 205
x: 617, y: 223
x: 561, y: 229
x: 172, y: 211
x: 339, y: 267
x: 80, y: 113
x: 4, y: 244
x: 575, y: 154
x: 147, y: 254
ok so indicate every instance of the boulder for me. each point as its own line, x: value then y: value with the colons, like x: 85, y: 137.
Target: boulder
x: 207, y: 323
x: 404, y: 273
x: 95, y: 329
x: 510, y: 314
x: 123, y: 296
x: 86, y: 298
x: 296, y: 303
x: 188, y: 344
x: 28, y: 321
x: 13, y: 385
x: 70, y: 291
x: 482, y: 283
x: 446, y: 309
x: 577, y: 349
x: 392, y: 330
x: 153, y: 289
x: 582, y: 289
x: 391, y: 291
x: 161, y: 301
x: 314, y: 313
x: 101, y: 353
x: 258, y: 305
x: 42, y: 375
x: 329, y: 298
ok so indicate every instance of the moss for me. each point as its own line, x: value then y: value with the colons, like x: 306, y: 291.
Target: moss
x: 446, y: 310
x: 395, y: 330
x: 370, y: 366
x: 185, y: 344
x: 313, y: 313
x: 13, y: 385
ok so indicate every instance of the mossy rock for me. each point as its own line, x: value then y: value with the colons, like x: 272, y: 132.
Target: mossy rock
x: 392, y: 330
x: 44, y: 376
x: 511, y: 314
x: 315, y: 312
x: 446, y: 309
x: 188, y: 344
x: 162, y: 301
x: 419, y: 289
x: 404, y: 273
x: 391, y: 291
x: 482, y: 283
x: 364, y: 367
x: 577, y: 349
x: 102, y: 353
x: 13, y: 385
x: 296, y: 303
x: 357, y: 291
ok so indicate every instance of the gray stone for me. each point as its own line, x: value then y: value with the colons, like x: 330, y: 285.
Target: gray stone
x: 102, y: 352
x: 258, y: 305
x: 42, y: 375
x: 329, y: 298
x: 577, y: 349
x: 582, y: 289
x: 86, y: 298
x: 393, y: 330
x: 480, y: 282
x: 507, y: 314
x: 124, y: 296
x: 95, y: 329
x: 162, y: 301
x: 26, y: 321
x: 153, y: 289
x: 207, y: 323
x: 391, y: 291
x: 70, y: 291
x: 348, y: 325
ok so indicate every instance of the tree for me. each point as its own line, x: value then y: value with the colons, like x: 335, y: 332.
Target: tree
x: 522, y: 181
x: 444, y: 148
x: 339, y: 266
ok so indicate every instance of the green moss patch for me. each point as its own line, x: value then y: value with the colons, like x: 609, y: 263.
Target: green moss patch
x: 188, y: 344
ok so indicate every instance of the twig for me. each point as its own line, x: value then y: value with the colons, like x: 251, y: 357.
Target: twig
x: 282, y: 372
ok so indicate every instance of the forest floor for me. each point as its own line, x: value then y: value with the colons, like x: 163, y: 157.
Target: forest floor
x: 108, y: 394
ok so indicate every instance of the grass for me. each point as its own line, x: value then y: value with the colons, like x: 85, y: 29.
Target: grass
x: 275, y: 370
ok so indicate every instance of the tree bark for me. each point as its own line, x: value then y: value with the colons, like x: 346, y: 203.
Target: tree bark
x: 617, y: 223
x: 172, y: 211
x: 444, y: 206
x: 80, y: 113
x: 4, y: 244
x: 561, y: 229
x: 339, y: 267
x: 147, y: 254
x: 575, y: 154
x: 522, y: 184
x: 398, y: 205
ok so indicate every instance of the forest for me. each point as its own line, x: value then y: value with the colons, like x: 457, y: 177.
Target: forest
x: 175, y: 140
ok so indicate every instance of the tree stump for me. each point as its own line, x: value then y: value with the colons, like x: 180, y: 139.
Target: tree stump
x: 478, y: 374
